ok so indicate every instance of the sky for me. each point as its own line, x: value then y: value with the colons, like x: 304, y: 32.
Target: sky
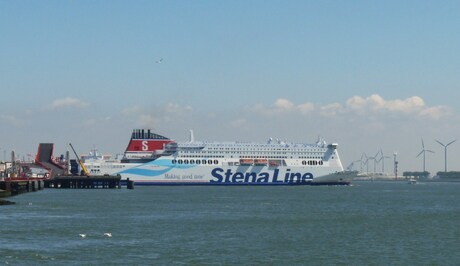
x: 368, y: 75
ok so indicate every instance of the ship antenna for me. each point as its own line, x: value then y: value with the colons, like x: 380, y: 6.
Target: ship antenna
x: 192, y: 138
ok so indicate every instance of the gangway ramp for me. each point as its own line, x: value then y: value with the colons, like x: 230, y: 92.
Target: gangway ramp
x: 44, y: 158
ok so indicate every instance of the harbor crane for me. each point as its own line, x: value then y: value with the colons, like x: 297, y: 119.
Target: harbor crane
x: 85, y: 171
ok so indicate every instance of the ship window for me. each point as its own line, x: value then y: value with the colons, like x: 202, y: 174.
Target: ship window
x: 174, y: 161
x: 179, y: 161
x: 216, y: 162
x: 186, y: 161
x: 209, y: 161
x: 192, y: 161
x: 198, y: 161
x: 203, y: 161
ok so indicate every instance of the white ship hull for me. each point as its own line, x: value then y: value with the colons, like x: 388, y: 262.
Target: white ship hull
x: 163, y: 172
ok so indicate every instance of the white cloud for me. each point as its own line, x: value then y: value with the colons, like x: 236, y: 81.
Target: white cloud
x: 283, y: 104
x: 414, y: 105
x: 66, y: 102
x: 331, y: 109
x: 377, y: 103
x: 408, y: 105
x: 372, y: 105
x: 435, y: 112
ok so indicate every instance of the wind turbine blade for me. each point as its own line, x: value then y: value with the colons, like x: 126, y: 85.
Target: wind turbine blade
x: 430, y: 151
x: 423, y: 144
x: 440, y: 142
x: 419, y: 153
x: 451, y: 142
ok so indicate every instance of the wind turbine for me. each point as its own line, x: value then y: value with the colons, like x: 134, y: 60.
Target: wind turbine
x: 424, y: 152
x: 375, y: 161
x: 445, y: 152
x: 375, y: 164
x: 382, y: 158
x: 365, y: 162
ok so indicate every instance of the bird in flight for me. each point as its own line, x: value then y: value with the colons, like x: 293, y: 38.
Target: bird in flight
x: 159, y: 61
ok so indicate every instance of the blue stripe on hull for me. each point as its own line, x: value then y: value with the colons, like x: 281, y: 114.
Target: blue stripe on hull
x: 236, y: 184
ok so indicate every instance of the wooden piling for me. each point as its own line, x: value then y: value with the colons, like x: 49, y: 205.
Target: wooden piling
x: 129, y: 184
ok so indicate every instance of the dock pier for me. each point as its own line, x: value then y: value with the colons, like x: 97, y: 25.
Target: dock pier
x: 84, y: 182
x: 14, y: 187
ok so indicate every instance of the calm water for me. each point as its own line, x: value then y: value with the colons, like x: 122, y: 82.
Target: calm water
x: 369, y: 223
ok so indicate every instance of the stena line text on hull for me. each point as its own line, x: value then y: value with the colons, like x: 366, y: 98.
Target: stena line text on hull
x: 227, y: 176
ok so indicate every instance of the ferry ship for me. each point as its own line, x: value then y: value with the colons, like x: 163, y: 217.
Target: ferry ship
x: 152, y: 159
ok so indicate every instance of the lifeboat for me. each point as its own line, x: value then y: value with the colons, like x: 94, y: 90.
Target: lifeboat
x: 274, y: 163
x: 246, y: 161
x: 260, y: 161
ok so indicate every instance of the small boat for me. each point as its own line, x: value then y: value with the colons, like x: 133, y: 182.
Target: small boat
x: 412, y: 181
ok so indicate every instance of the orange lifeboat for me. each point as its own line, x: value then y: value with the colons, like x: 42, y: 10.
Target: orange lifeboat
x: 260, y: 161
x: 246, y: 161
